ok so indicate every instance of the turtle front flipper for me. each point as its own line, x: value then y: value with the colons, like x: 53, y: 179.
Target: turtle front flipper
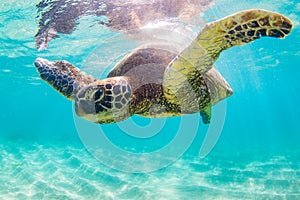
x: 63, y: 76
x: 100, y: 101
x: 237, y: 29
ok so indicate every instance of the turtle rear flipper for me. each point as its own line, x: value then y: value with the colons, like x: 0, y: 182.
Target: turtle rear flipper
x: 237, y: 29
x: 206, y: 115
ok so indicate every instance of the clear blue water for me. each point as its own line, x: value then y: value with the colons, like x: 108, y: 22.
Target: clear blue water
x: 44, y: 156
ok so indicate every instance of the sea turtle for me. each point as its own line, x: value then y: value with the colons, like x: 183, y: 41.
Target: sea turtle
x: 154, y: 82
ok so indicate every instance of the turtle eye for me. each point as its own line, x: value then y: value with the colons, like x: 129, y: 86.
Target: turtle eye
x: 98, y: 95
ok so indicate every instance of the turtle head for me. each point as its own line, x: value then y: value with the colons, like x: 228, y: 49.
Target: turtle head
x: 104, y: 101
x: 219, y: 89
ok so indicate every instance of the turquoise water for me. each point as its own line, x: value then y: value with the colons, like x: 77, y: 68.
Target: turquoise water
x: 44, y: 152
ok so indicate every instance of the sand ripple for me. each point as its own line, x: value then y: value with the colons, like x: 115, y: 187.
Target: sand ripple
x: 63, y: 171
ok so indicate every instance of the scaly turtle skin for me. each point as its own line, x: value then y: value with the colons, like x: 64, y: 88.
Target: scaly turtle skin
x: 154, y: 82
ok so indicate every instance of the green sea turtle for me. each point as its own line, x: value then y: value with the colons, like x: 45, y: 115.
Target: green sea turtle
x: 154, y: 82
